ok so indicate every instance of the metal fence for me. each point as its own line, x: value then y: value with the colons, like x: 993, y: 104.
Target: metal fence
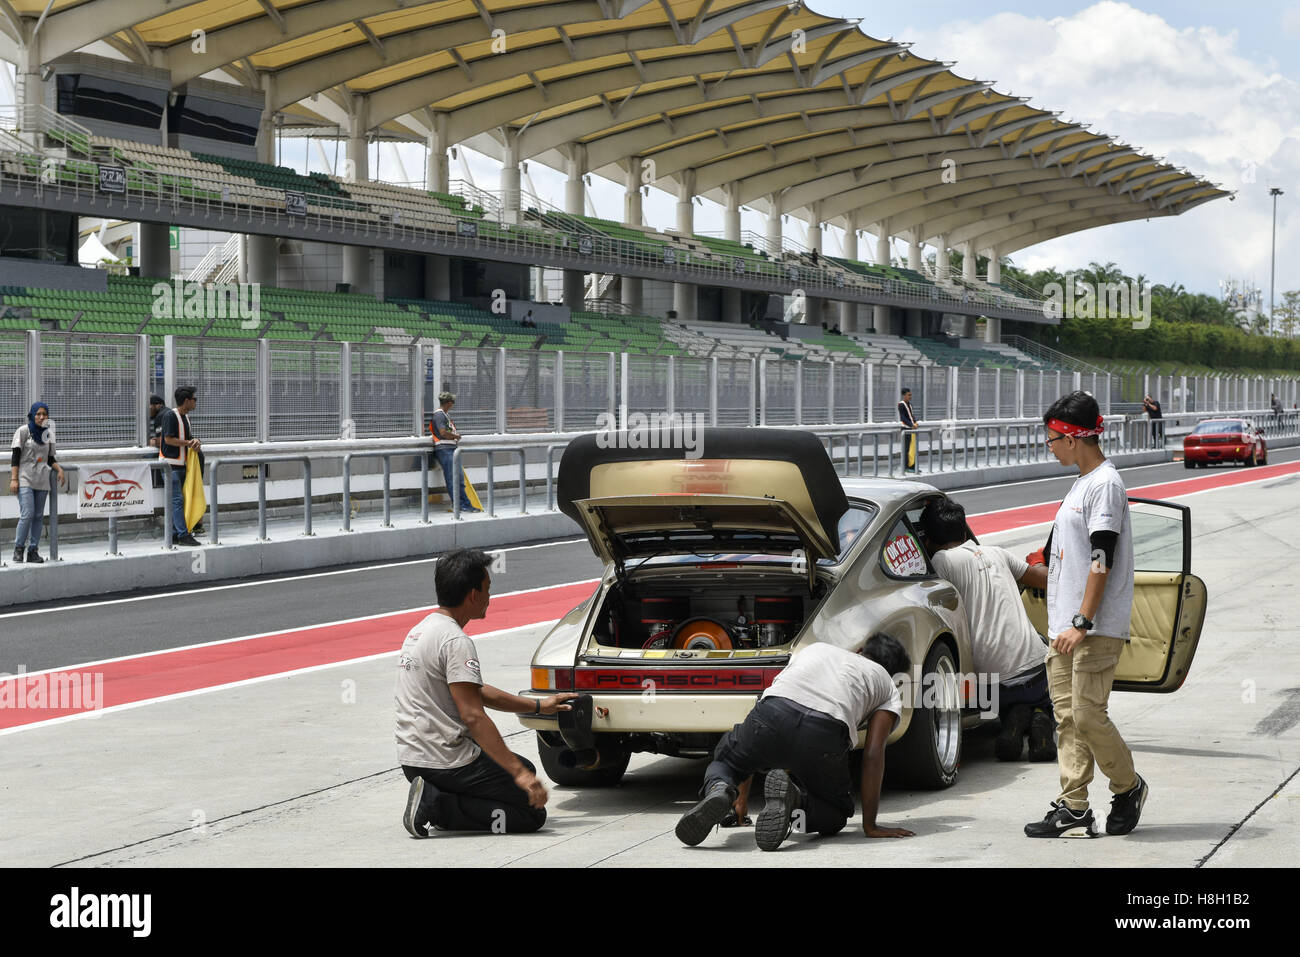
x: 269, y: 390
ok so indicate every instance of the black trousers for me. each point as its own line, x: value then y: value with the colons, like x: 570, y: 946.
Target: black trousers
x: 811, y: 745
x: 480, y: 796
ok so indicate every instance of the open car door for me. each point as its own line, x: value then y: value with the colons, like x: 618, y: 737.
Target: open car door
x: 1168, y: 600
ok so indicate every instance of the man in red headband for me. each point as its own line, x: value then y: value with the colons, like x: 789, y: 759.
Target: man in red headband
x: 1089, y: 601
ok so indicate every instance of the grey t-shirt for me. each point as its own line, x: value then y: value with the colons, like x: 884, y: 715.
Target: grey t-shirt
x: 33, y: 459
x: 430, y: 732
x: 1096, y: 502
x: 840, y: 683
x: 441, y: 423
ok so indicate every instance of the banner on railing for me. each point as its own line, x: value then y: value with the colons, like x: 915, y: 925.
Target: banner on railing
x: 118, y: 489
x: 112, y: 179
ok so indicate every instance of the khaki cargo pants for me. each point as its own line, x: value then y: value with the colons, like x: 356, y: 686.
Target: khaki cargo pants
x: 1079, y: 684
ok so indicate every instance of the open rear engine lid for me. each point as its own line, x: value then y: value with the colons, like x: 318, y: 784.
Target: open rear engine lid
x: 767, y: 491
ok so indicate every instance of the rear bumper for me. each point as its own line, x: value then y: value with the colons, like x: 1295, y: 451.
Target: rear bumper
x: 1224, y: 453
x: 671, y: 713
x: 663, y: 711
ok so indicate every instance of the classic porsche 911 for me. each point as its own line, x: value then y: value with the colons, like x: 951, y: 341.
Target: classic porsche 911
x: 718, y: 568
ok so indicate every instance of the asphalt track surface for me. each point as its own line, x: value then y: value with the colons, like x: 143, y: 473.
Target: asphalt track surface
x: 293, y: 762
x: 40, y: 637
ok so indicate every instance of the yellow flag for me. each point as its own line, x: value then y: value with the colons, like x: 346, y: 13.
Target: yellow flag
x: 469, y: 490
x: 196, y: 503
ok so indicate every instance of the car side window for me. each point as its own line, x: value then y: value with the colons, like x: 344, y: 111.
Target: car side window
x: 901, y: 556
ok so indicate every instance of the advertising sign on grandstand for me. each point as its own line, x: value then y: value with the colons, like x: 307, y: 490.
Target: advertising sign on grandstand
x: 467, y: 228
x: 295, y: 204
x: 112, y: 179
x: 670, y: 255
x: 584, y: 245
x: 122, y: 489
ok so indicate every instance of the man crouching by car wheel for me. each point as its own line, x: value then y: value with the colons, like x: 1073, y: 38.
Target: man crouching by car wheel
x: 800, y: 734
x: 463, y: 777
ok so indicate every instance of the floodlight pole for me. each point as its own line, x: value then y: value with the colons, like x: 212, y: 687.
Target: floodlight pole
x: 1272, y: 279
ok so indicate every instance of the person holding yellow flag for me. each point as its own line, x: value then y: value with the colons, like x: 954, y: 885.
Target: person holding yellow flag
x: 179, y: 448
x: 909, y: 438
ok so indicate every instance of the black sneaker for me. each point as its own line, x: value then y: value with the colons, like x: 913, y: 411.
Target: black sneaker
x: 18, y: 556
x: 781, y: 797
x: 34, y: 557
x: 1011, y: 738
x: 1042, y: 740
x: 188, y: 540
x: 695, y: 825
x: 418, y: 818
x: 199, y: 530
x: 1062, y: 822
x: 1126, y: 808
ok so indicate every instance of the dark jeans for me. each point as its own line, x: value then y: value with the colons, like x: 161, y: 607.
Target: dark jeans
x: 478, y: 795
x: 1034, y: 693
x: 812, y: 746
x: 445, y: 454
x: 179, y: 528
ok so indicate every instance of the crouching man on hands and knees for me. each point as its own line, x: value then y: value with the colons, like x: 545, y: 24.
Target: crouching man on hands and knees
x: 1089, y: 601
x: 800, y: 733
x: 463, y: 777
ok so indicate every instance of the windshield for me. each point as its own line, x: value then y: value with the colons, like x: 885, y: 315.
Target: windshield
x: 1230, y: 425
x: 852, y: 523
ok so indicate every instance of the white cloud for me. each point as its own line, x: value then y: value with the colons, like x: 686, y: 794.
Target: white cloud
x: 1188, y: 94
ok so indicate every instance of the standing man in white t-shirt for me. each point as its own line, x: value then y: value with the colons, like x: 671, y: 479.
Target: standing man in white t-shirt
x: 1089, y: 604
x: 463, y: 777
x: 800, y: 733
x: 1007, y: 650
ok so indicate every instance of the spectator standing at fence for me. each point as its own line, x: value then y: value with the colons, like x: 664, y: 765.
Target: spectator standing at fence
x: 174, y: 442
x: 30, y: 462
x: 1276, y: 404
x: 446, y: 438
x: 1156, y: 415
x: 909, y: 437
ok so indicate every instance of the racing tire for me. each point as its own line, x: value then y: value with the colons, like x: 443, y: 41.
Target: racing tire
x: 1252, y: 461
x: 606, y: 776
x: 929, y: 753
x: 1188, y: 464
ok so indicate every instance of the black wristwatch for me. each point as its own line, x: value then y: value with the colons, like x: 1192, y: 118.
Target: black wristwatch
x: 1081, y: 622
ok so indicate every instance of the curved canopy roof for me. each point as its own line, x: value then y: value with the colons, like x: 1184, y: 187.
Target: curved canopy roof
x: 761, y: 101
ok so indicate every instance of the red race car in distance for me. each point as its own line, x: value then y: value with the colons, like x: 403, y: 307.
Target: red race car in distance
x: 1225, y: 440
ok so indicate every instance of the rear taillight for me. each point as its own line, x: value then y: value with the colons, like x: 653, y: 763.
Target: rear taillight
x: 552, y: 679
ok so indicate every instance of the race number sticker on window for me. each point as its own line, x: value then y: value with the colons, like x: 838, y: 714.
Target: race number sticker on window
x: 903, y: 556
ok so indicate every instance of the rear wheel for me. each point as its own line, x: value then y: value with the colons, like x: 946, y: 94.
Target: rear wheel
x: 928, y: 755
x: 1251, y: 462
x: 613, y: 763
x: 1188, y: 464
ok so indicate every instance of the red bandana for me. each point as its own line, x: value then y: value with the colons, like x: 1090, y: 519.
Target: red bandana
x: 1078, y: 431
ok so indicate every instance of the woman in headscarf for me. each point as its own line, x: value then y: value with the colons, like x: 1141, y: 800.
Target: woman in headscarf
x: 30, y: 462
